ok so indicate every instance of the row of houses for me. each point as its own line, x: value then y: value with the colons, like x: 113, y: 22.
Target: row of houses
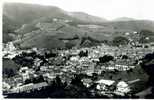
x: 28, y: 87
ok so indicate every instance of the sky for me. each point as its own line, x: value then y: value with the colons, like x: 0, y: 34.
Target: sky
x: 108, y: 9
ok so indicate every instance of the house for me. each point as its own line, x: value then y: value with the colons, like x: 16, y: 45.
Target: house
x: 87, y: 82
x: 37, y: 62
x: 5, y: 86
x: 127, y: 33
x: 29, y: 87
x: 122, y: 67
x: 10, y: 46
x: 40, y: 85
x: 106, y: 82
x: 23, y: 69
x: 103, y: 84
x: 49, y: 76
x: 9, y: 55
x: 21, y: 88
x: 55, y: 19
x: 25, y: 76
x: 43, y: 68
x: 74, y: 58
x: 24, y: 72
x: 122, y: 88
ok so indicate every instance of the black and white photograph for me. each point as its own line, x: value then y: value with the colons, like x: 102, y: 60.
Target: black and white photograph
x: 77, y: 49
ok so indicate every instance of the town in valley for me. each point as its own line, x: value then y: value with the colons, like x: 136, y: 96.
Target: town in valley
x: 62, y: 56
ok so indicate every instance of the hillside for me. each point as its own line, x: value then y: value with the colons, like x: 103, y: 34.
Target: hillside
x: 86, y: 17
x: 32, y: 25
x: 123, y: 19
x: 21, y: 18
x: 15, y: 15
x: 26, y: 13
x: 49, y: 35
x: 135, y: 25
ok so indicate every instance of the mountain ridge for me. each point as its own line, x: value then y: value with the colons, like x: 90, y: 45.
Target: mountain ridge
x: 31, y: 22
x: 124, y: 19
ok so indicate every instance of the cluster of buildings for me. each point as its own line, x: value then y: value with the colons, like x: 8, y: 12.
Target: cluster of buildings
x: 68, y: 62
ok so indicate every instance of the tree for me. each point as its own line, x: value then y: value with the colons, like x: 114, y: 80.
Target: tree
x: 94, y: 76
x: 50, y: 54
x: 120, y: 40
x: 105, y: 58
x: 10, y: 72
x: 77, y: 81
x: 145, y: 36
x: 7, y: 38
x: 69, y: 45
x: 57, y: 83
x: 124, y: 57
x: 83, y: 53
x: 148, y: 66
x: 10, y: 68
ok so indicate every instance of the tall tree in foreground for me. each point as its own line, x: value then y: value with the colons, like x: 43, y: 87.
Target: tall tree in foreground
x: 148, y: 66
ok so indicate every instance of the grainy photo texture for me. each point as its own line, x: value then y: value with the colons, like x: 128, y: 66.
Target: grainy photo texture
x: 78, y: 49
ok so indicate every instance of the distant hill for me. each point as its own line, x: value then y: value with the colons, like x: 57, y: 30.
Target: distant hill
x: 33, y: 25
x: 17, y: 14
x: 23, y: 17
x: 86, y: 17
x: 135, y: 25
x: 124, y: 19
x: 8, y: 28
x: 25, y: 13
